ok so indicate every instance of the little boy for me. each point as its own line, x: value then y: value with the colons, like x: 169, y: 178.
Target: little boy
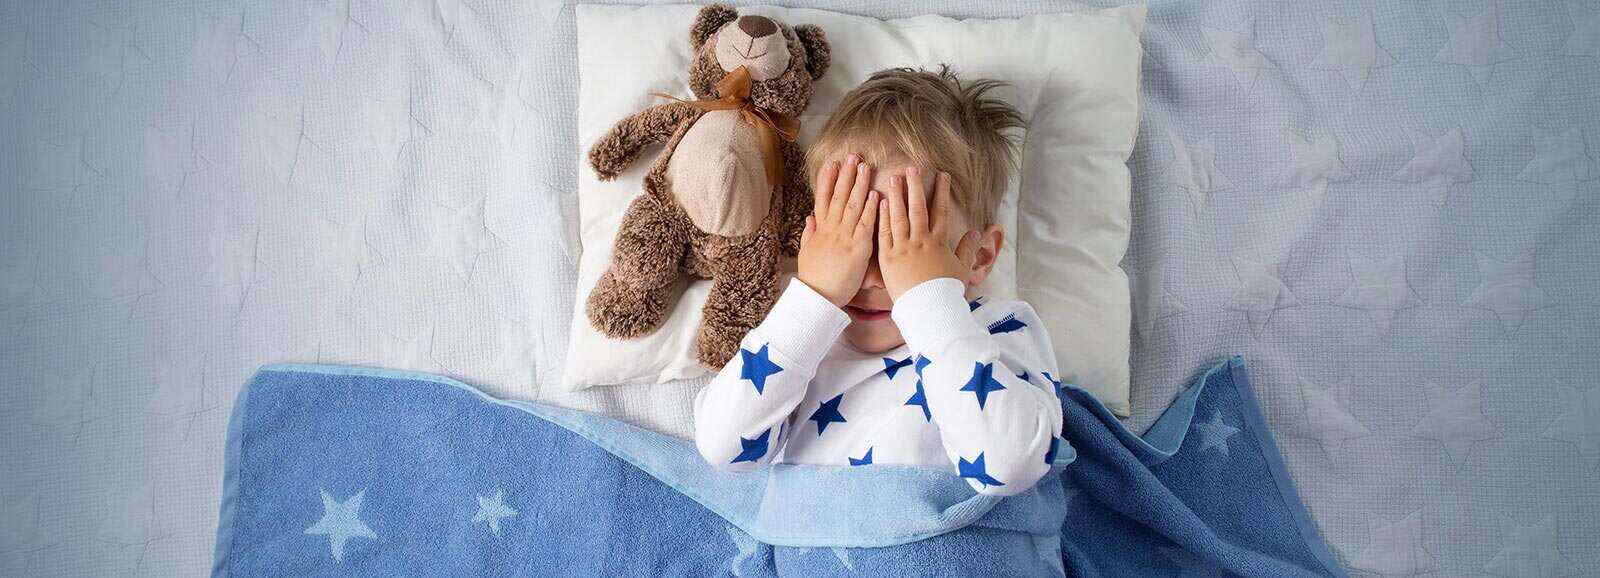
x: 873, y: 354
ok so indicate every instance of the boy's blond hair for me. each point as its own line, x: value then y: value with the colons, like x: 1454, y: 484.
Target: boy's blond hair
x: 936, y: 121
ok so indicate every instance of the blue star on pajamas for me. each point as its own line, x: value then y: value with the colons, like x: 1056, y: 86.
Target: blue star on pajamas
x: 974, y: 304
x: 1053, y: 381
x: 982, y: 382
x: 752, y: 450
x: 921, y: 363
x: 1050, y: 455
x: 1006, y: 324
x: 756, y: 367
x: 864, y: 460
x: 828, y: 412
x: 975, y: 470
x: 920, y: 399
x: 891, y: 367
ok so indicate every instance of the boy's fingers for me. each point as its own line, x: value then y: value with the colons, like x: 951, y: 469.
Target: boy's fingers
x: 885, y: 235
x: 842, y: 185
x: 916, y: 201
x: 822, y: 192
x: 897, y: 208
x: 858, y: 194
x: 869, y: 217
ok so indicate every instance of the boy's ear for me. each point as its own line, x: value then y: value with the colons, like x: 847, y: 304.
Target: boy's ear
x: 710, y: 19
x: 818, y: 54
x: 990, y: 239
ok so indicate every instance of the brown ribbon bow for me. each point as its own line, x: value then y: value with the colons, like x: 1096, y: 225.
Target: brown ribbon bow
x: 734, y: 94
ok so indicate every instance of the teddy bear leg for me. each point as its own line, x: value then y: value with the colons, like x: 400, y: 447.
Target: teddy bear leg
x: 635, y: 293
x: 744, y: 286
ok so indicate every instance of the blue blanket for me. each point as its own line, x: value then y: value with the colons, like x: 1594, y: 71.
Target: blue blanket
x: 334, y: 470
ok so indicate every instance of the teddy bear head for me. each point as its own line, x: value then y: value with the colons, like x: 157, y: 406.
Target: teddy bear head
x: 783, y: 61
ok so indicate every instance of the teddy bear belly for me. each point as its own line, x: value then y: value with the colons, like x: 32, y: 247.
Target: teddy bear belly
x: 717, y: 176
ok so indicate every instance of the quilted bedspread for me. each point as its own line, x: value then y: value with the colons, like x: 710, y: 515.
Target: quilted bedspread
x: 1404, y: 198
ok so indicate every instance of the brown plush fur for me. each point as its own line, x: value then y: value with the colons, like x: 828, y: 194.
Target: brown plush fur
x: 657, y: 244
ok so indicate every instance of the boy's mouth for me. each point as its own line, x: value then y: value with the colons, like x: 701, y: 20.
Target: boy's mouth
x: 865, y: 314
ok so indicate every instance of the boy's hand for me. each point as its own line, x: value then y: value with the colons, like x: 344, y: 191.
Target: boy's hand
x: 837, y: 240
x: 912, y: 245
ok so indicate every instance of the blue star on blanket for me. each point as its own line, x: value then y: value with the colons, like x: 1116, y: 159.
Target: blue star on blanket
x: 975, y: 470
x: 752, y: 450
x: 983, y: 382
x: 891, y: 367
x: 1006, y: 324
x: 756, y: 367
x: 828, y: 412
x: 864, y: 460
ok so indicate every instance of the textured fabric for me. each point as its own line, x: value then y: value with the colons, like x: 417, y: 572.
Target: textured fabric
x: 1430, y: 383
x: 1074, y: 78
x: 350, y: 471
x: 954, y: 398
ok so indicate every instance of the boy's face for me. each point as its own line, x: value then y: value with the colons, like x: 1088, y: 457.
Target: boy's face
x: 871, y: 330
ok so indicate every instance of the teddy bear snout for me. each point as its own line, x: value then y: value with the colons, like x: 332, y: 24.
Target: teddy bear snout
x: 756, y: 43
x: 757, y: 26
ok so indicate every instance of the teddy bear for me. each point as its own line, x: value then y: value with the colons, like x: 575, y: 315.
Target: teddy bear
x: 727, y: 197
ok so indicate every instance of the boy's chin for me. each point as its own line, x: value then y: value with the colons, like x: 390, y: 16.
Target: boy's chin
x: 873, y: 336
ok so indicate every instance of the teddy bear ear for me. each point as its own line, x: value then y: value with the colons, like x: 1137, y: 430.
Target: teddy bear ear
x: 818, y: 54
x: 710, y: 19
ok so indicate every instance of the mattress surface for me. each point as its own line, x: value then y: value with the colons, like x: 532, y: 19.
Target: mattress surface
x: 1405, y: 193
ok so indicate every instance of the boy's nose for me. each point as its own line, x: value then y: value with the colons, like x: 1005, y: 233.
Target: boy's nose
x: 874, y: 277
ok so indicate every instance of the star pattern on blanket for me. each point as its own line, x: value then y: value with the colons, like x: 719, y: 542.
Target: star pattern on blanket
x: 976, y: 470
x: 1396, y: 549
x: 1585, y: 38
x: 843, y: 555
x: 757, y: 367
x: 1579, y: 423
x: 745, y: 549
x: 1438, y: 163
x: 892, y: 366
x: 340, y: 522
x: 751, y: 450
x: 1529, y: 551
x: 828, y: 412
x: 1325, y: 419
x: 492, y: 509
x: 1560, y: 157
x: 982, y: 383
x: 1456, y: 421
x: 1475, y: 43
x: 1379, y: 287
x: 1194, y: 170
x: 1260, y: 293
x: 1508, y: 289
x: 1153, y: 300
x: 1314, y: 161
x: 1351, y: 48
x: 1237, y: 51
x: 1213, y: 434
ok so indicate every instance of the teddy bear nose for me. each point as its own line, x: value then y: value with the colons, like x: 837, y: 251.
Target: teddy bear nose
x: 757, y: 26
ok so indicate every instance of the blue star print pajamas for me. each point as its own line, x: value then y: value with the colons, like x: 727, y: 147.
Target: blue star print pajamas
x: 973, y: 391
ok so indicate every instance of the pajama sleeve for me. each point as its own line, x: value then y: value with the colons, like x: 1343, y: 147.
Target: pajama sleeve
x: 740, y: 417
x: 998, y: 428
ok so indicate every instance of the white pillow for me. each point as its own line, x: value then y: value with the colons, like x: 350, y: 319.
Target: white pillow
x: 1074, y: 76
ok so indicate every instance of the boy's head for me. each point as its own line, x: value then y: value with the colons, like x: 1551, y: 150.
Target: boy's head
x: 903, y: 117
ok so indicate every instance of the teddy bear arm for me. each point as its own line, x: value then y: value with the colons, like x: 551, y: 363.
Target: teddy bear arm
x: 797, y: 203
x: 622, y: 144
